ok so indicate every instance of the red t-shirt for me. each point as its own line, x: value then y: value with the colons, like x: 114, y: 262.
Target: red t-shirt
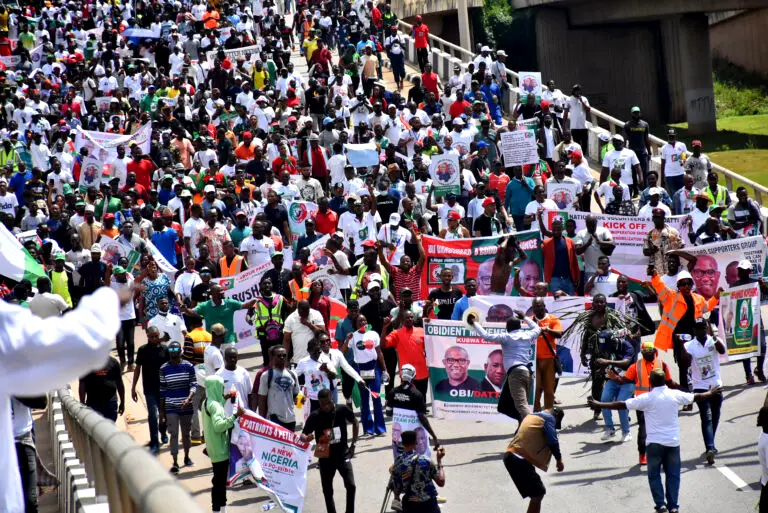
x: 429, y: 80
x: 143, y: 170
x: 326, y: 223
x: 420, y: 35
x: 457, y: 108
x: 499, y: 183
x: 280, y: 163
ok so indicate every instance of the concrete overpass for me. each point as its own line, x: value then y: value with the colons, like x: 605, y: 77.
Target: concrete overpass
x: 655, y: 53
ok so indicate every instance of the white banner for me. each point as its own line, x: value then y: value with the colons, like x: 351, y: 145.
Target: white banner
x: 103, y: 145
x: 362, y: 155
x: 112, y: 251
x: 446, y: 174
x: 243, y: 287
x: 519, y: 148
x: 247, y: 51
x: 36, y: 55
x: 563, y: 193
x: 500, y: 308
x: 273, y: 457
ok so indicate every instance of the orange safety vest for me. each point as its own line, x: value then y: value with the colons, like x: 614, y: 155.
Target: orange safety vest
x: 673, y: 307
x: 300, y: 293
x: 230, y: 269
x: 643, y: 383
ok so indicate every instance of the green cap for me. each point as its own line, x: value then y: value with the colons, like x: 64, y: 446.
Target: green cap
x: 118, y: 269
x: 60, y: 256
x: 635, y: 109
x: 277, y: 253
x: 168, y: 177
x: 80, y: 203
x: 67, y: 189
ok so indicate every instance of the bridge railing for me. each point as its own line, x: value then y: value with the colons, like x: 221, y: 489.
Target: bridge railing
x: 103, y: 469
x: 447, y: 54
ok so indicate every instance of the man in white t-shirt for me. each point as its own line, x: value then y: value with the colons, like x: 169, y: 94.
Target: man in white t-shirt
x: 576, y: 111
x: 605, y: 190
x: 257, y: 248
x: 193, y: 228
x: 9, y: 204
x: 234, y: 376
x: 450, y: 205
x: 45, y: 304
x: 171, y: 326
x: 393, y: 237
x: 623, y: 159
x: 660, y: 407
x: 603, y: 281
x: 595, y: 241
x: 300, y: 328
x: 360, y: 228
x: 673, y: 155
x: 212, y: 357
x: 315, y: 372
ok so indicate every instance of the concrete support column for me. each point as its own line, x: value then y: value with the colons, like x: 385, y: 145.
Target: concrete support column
x: 465, y: 38
x: 688, y: 64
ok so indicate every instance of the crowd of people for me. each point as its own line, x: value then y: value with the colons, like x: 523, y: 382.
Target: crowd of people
x: 211, y: 131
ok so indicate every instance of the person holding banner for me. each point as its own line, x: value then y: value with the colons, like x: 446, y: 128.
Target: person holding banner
x: 516, y: 348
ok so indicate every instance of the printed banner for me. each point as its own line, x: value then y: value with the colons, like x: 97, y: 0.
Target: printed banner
x: 476, y: 258
x: 331, y: 283
x: 530, y: 83
x: 273, y: 457
x: 408, y: 420
x: 298, y: 212
x: 11, y: 61
x: 716, y: 263
x: 113, y: 251
x: 446, y: 174
x: 740, y: 321
x: 103, y: 145
x: 90, y: 174
x: 102, y: 103
x: 519, y: 148
x: 234, y: 53
x: 162, y: 263
x: 629, y: 235
x: 36, y: 56
x: 563, y: 193
x: 243, y: 287
x: 466, y: 373
x: 499, y: 309
x: 362, y: 155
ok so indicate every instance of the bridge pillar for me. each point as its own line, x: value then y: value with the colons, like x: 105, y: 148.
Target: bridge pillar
x: 465, y: 39
x: 688, y: 64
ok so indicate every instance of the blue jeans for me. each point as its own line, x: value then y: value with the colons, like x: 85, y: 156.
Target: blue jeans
x: 108, y: 410
x: 709, y: 412
x: 612, y: 391
x: 376, y: 424
x: 564, y: 284
x: 674, y: 184
x: 153, y: 400
x: 668, y: 457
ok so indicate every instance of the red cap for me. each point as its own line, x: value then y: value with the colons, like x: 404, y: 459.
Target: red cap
x: 369, y: 243
x: 291, y: 119
x: 544, y: 104
x: 109, y: 216
x: 454, y: 216
x: 488, y: 201
x: 62, y: 122
x: 696, y: 143
x: 577, y: 153
x: 418, y: 17
x: 247, y: 134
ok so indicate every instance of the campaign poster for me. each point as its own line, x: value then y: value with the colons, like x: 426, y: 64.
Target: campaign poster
x: 530, y: 83
x: 273, y: 457
x: 90, y: 174
x: 564, y: 194
x: 298, y: 212
x: 113, y: 251
x: 476, y: 258
x: 331, y: 283
x: 243, y: 287
x: 466, y: 373
x: 499, y: 309
x: 408, y: 420
x: 446, y: 174
x: 740, y: 321
x: 716, y: 263
x: 103, y: 145
x: 629, y: 235
x: 519, y: 148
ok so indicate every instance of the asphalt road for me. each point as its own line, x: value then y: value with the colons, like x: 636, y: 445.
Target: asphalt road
x: 597, y: 476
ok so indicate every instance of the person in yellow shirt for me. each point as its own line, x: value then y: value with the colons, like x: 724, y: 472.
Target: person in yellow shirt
x: 310, y: 44
x: 3, y: 18
x: 259, y: 75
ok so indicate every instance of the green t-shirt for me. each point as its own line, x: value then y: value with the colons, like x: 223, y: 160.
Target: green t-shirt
x: 149, y: 104
x: 27, y: 40
x: 113, y: 207
x: 222, y: 314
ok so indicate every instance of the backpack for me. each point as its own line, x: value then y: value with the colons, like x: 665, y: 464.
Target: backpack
x: 273, y: 330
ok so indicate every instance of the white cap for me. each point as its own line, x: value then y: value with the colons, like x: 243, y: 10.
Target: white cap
x: 683, y: 275
x: 90, y: 208
x: 745, y: 264
x: 485, y: 49
x: 95, y: 248
x: 617, y: 137
x: 394, y: 218
x: 373, y: 285
x: 603, y: 136
x: 407, y: 372
x: 655, y: 191
x: 209, y: 188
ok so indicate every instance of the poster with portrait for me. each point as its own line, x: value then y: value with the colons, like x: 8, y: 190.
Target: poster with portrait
x: 716, y: 263
x: 112, y: 251
x: 331, y: 284
x: 564, y: 194
x: 740, y: 322
x: 408, y: 420
x: 519, y: 148
x: 476, y: 258
x: 90, y: 174
x: 103, y: 145
x: 499, y: 309
x: 298, y: 212
x: 446, y: 174
x: 530, y: 83
x: 466, y: 373
x: 271, y: 456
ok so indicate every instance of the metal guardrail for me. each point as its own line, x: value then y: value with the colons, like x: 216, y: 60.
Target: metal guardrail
x: 598, y: 118
x: 124, y: 475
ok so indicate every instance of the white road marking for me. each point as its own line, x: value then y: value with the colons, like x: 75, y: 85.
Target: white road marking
x: 732, y: 477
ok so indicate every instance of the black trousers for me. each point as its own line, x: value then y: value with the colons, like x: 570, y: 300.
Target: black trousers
x: 422, y: 385
x: 390, y: 361
x: 28, y: 470
x: 219, y: 485
x: 598, y: 379
x: 581, y: 136
x: 265, y: 346
x: 125, y: 340
x: 764, y: 499
x: 422, y: 55
x: 640, y: 432
x: 328, y: 469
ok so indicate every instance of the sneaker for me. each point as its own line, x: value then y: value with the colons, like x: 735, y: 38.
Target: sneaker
x: 761, y: 377
x: 155, y: 450
x: 196, y: 441
x: 397, y: 505
x: 163, y: 439
x: 711, y: 457
x: 751, y: 380
x: 643, y: 459
x: 627, y: 437
x: 188, y: 462
x: 175, y: 468
x: 558, y: 401
x: 609, y: 436
x: 662, y: 509
x: 674, y: 510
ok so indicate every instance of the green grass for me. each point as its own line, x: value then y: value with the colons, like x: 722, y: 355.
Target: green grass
x: 738, y: 92
x: 748, y: 163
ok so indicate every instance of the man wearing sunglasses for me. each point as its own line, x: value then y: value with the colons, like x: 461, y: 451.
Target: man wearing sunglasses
x: 177, y: 386
x: 680, y: 310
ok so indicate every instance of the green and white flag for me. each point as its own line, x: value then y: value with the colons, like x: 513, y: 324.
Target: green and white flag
x: 15, y: 262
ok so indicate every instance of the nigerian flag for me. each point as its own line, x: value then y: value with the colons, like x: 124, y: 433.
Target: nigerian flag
x: 15, y: 262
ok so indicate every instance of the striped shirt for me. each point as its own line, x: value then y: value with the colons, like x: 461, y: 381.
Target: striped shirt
x: 177, y: 382
x: 411, y: 280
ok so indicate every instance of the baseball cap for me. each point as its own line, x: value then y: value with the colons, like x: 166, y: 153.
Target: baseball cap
x: 240, y: 213
x: 95, y: 248
x: 218, y: 329
x: 481, y: 145
x: 90, y: 208
x: 617, y: 137
x: 701, y: 322
x: 209, y: 188
x: 277, y: 253
x: 603, y: 136
x: 488, y: 201
x: 745, y: 264
x: 655, y: 191
x: 635, y: 109
x: 373, y: 285
x: 454, y: 216
x: 394, y: 218
x: 647, y: 346
x: 407, y: 372
x: 118, y: 269
x: 577, y: 153
x: 109, y: 216
x: 205, y: 270
x: 60, y: 256
x: 186, y: 193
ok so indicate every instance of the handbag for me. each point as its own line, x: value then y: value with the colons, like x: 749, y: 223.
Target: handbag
x: 323, y: 447
x: 558, y: 363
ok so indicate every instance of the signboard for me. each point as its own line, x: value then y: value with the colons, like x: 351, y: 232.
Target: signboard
x: 530, y: 83
x: 243, y: 287
x: 563, y: 193
x: 740, y: 321
x: 446, y: 174
x: 519, y: 148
